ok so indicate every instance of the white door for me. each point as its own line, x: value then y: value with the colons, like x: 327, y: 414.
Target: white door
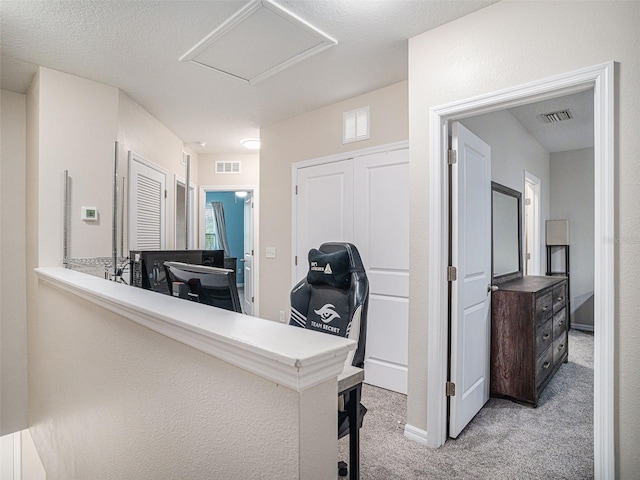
x: 147, y: 205
x: 324, y: 209
x: 247, y: 300
x: 470, y: 297
x: 381, y: 234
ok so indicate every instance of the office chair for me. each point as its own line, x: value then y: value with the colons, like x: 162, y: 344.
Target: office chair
x: 333, y: 298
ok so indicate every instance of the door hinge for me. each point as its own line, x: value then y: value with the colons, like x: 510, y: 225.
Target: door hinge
x: 252, y: 252
x: 296, y: 189
x: 453, y: 157
x: 452, y: 274
x: 450, y: 389
x: 296, y: 260
x: 165, y: 194
x: 253, y: 299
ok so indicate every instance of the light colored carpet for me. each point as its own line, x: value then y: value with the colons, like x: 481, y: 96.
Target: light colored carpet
x: 504, y: 441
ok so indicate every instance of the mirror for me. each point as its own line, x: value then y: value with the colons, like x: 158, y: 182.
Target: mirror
x: 506, y: 233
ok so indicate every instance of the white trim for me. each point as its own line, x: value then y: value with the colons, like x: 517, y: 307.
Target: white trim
x: 194, y: 211
x: 17, y: 456
x: 338, y: 157
x: 416, y: 434
x: 256, y: 225
x: 535, y: 183
x: 601, y: 78
x: 293, y: 357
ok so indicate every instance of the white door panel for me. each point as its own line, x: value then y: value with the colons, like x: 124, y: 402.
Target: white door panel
x: 382, y: 236
x: 324, y: 208
x: 247, y: 300
x: 471, y: 255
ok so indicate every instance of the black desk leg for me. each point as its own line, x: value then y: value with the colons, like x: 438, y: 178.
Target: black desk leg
x: 354, y: 432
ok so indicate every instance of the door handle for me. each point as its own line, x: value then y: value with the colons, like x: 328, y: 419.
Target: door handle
x: 492, y: 288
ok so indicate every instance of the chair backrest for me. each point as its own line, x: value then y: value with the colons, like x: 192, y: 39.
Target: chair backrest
x: 334, y: 296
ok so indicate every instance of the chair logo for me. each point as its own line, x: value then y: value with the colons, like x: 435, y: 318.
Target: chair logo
x: 327, y: 269
x: 327, y: 313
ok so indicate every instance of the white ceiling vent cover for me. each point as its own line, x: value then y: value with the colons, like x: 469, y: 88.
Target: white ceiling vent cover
x: 258, y: 41
x: 228, y: 167
x: 355, y: 125
x: 558, y: 116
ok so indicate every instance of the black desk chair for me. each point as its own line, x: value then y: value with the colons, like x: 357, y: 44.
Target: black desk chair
x: 333, y: 298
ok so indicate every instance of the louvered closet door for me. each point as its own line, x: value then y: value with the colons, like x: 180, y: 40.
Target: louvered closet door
x: 147, y: 205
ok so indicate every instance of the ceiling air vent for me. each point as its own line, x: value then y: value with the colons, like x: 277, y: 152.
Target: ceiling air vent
x: 355, y: 125
x: 228, y: 167
x: 554, y: 117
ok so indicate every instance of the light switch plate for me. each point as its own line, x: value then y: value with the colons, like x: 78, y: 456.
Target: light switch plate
x: 270, y: 252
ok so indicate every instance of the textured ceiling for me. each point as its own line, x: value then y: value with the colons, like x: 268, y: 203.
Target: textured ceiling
x: 135, y: 45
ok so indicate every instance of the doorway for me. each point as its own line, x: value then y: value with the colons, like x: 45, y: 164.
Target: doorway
x: 180, y: 214
x: 238, y: 205
x: 600, y: 79
x: 531, y: 224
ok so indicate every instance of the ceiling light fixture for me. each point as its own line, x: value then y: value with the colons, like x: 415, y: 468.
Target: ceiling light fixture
x: 251, y: 143
x: 241, y: 194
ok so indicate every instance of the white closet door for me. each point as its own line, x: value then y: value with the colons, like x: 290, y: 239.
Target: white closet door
x: 324, y: 209
x: 147, y: 205
x: 381, y: 234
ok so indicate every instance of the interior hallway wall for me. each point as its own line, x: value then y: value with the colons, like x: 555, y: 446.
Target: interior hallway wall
x: 13, y: 299
x: 513, y: 43
x: 572, y: 187
x: 514, y: 150
x: 307, y: 136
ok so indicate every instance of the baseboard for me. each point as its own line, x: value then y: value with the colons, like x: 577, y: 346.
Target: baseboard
x: 415, y: 434
x: 582, y: 327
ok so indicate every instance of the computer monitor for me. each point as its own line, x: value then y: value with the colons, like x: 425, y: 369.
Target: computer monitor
x: 147, y: 266
x: 209, y: 285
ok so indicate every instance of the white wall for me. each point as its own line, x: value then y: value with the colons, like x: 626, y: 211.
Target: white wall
x: 311, y: 135
x: 142, y: 133
x: 514, y: 150
x: 572, y: 187
x: 250, y: 174
x: 112, y: 400
x: 508, y: 44
x: 13, y: 299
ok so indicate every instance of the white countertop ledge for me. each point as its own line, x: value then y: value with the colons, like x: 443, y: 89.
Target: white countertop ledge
x: 289, y: 356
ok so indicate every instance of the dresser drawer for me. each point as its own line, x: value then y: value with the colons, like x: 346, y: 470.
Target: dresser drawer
x: 560, y: 323
x: 544, y: 366
x: 559, y: 297
x: 543, y: 337
x: 544, y: 308
x: 559, y: 348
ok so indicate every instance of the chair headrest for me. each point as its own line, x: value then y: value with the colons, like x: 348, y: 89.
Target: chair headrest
x: 332, y: 268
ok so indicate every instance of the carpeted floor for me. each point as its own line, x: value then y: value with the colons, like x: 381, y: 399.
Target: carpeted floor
x: 504, y: 441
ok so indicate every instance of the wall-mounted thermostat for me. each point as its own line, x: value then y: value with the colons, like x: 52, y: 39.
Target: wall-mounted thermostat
x: 89, y: 214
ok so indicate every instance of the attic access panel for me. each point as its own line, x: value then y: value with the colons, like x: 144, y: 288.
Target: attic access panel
x: 258, y: 41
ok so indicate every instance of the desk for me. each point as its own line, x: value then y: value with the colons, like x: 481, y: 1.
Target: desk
x: 350, y: 381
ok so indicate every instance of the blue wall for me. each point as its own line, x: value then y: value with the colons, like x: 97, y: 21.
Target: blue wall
x: 234, y: 218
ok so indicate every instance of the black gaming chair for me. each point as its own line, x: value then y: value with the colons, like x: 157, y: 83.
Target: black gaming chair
x: 333, y: 298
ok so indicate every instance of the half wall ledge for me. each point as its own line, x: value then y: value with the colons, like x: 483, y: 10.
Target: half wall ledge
x: 293, y: 357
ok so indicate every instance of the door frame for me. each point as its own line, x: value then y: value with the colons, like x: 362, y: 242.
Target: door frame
x: 255, y: 234
x: 195, y: 237
x: 600, y: 78
x: 535, y: 183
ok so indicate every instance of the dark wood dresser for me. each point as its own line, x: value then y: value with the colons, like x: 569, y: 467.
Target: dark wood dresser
x: 529, y: 340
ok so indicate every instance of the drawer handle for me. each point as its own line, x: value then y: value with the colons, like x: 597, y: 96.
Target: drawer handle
x: 560, y: 299
x: 546, y: 365
x: 545, y: 308
x: 545, y: 336
x: 561, y: 322
x: 561, y: 347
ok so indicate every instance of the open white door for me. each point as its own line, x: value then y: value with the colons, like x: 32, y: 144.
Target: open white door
x: 247, y: 300
x: 470, y: 297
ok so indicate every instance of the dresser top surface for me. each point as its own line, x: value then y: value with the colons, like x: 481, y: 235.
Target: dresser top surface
x: 531, y: 283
